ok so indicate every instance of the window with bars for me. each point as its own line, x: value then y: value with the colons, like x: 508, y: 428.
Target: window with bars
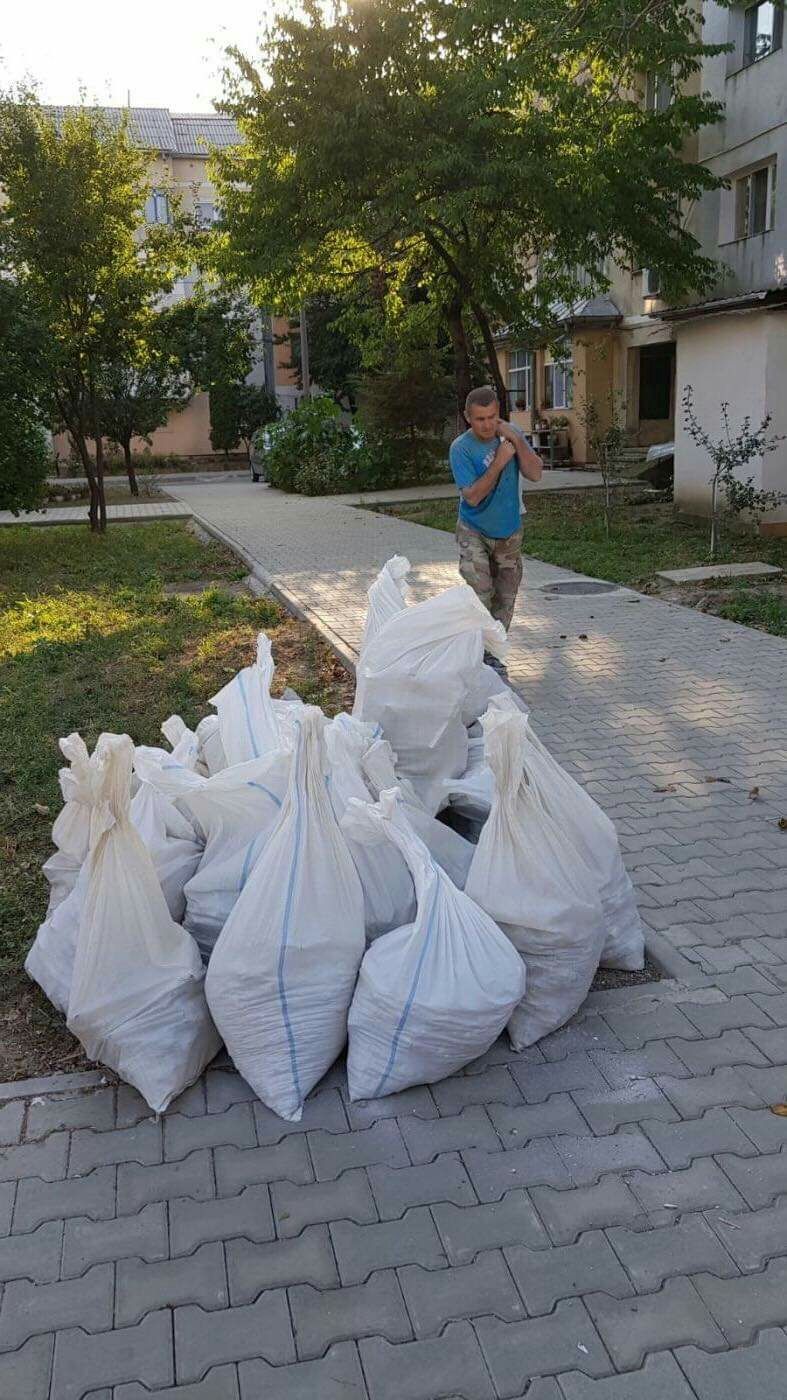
x: 559, y: 384
x: 762, y: 31
x: 754, y: 196
x: 520, y: 378
x: 157, y: 207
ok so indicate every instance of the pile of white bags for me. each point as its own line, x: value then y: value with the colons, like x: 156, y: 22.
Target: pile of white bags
x: 422, y: 871
x: 436, y: 992
x: 283, y: 971
x: 130, y: 979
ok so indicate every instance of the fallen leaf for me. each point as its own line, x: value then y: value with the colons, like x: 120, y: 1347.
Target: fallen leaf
x: 562, y: 636
x: 669, y: 788
x: 583, y: 636
x: 754, y: 794
x: 709, y: 778
x: 783, y: 823
x: 780, y: 1109
x: 41, y: 809
x: 662, y: 658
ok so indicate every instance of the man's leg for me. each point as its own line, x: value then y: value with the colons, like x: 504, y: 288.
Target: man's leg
x: 474, y: 564
x: 506, y: 570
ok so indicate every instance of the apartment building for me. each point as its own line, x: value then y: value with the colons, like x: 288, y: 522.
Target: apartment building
x: 732, y: 345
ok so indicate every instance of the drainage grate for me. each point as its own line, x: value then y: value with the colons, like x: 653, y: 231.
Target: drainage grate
x: 574, y: 587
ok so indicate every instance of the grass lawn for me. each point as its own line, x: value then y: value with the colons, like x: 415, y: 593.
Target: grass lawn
x: 567, y: 528
x: 92, y: 638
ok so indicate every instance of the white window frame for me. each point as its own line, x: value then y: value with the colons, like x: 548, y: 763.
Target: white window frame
x: 559, y: 383
x: 659, y: 92
x: 750, y: 55
x: 651, y: 283
x: 746, y: 203
x: 519, y: 381
x: 157, y: 204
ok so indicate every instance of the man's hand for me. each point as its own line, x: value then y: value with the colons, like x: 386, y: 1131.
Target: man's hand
x: 504, y: 430
x: 505, y: 452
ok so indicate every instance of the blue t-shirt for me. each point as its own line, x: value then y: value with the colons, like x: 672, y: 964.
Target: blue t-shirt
x: 499, y: 514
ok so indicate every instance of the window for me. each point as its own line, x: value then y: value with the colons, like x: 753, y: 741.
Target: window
x: 754, y: 195
x: 520, y: 378
x: 559, y: 384
x: 206, y: 213
x: 658, y: 93
x: 157, y: 208
x: 762, y: 31
x: 651, y: 282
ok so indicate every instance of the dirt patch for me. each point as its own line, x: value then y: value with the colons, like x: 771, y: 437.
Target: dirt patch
x: 608, y: 977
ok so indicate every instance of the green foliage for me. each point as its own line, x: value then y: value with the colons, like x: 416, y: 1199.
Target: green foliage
x: 75, y: 191
x: 408, y: 406
x: 211, y: 335
x: 463, y: 143
x: 334, y: 357
x: 24, y: 454
x: 313, y: 452
x: 729, y: 456
x: 237, y: 412
x: 604, y: 423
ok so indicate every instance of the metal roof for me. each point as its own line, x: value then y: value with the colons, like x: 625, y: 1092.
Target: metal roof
x: 769, y: 299
x: 599, y: 311
x: 158, y: 129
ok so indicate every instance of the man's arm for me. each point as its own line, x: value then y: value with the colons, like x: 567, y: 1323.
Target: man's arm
x: 528, y: 461
x: 484, y: 485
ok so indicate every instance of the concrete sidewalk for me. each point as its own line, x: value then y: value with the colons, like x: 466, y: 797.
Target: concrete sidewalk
x: 77, y: 515
x: 603, y: 1217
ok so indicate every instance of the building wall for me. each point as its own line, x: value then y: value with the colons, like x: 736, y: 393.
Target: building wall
x: 740, y: 359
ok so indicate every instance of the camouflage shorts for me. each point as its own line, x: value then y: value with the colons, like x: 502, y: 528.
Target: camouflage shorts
x: 492, y: 568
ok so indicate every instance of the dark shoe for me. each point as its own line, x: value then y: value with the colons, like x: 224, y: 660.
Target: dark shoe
x: 495, y: 664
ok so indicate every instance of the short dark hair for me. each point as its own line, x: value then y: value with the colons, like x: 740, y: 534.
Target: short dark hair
x: 481, y: 398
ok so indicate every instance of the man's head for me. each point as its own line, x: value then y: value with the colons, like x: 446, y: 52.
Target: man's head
x: 482, y: 412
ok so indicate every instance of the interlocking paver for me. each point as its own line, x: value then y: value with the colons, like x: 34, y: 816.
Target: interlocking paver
x: 137, y: 1186
x: 46, y: 1159
x: 770, y: 1085
x: 660, y: 1379
x: 333, y: 1153
x: 466, y: 1230
x: 87, y: 1242
x: 559, y: 1114
x: 768, y: 1131
x: 688, y: 1246
x: 237, y: 1167
x: 426, y: 1138
x: 141, y: 1288
x: 680, y: 1143
x: 626, y: 1066
x: 698, y: 1187
x: 483, y: 1287
x: 567, y: 1213
x: 90, y: 1149
x: 224, y: 1087
x: 221, y: 1383
x: 742, y: 1306
x: 538, y: 1164
x: 444, y: 1179
x: 372, y: 1309
x: 442, y: 1366
x: 771, y: 1042
x: 142, y: 1353
x: 658, y: 1022
x: 7, y: 1197
x: 360, y: 1249
x: 515, y: 1351
x: 722, y: 1087
x: 32, y: 1308
x: 203, y: 1340
x: 589, y: 1032
x: 254, y: 1267
x: 538, y: 1082
x: 11, y: 1119
x: 184, y: 1134
x: 729, y: 1375
x: 492, y: 1086
x: 730, y: 1048
x: 415, y: 1102
x: 197, y: 1222
x: 336, y: 1376
x: 95, y: 1109
x: 738, y: 1012
x: 754, y: 1236
x: 759, y: 1180
x: 349, y: 1198
x: 92, y: 1195
x: 35, y: 1256
x: 633, y: 1102
x: 24, y: 1374
x: 544, y: 1277
x: 674, y: 1316
x: 588, y: 1158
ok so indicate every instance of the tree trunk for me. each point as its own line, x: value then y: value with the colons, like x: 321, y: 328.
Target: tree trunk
x: 462, y: 373
x: 99, y: 441
x: 491, y: 357
x: 714, y: 520
x: 80, y: 443
x: 133, y: 484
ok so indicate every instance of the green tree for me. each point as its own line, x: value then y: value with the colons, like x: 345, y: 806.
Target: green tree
x: 471, y: 142
x: 729, y: 456
x: 334, y: 356
x: 408, y: 405
x: 24, y: 452
x: 237, y: 412
x: 137, y: 396
x: 75, y: 191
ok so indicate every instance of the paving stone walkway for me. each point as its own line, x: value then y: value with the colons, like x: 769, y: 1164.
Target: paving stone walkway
x: 77, y: 515
x: 603, y: 1217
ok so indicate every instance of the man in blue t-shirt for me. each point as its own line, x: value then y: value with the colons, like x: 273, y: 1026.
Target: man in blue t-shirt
x: 486, y: 462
